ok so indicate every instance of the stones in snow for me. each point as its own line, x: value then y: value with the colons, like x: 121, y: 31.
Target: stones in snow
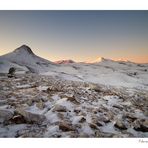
x: 59, y: 108
x: 40, y: 105
x: 95, y: 87
x: 18, y: 119
x: 5, y: 115
x: 104, y: 119
x: 11, y: 72
x: 73, y: 99
x: 141, y: 125
x: 93, y: 126
x: 130, y: 117
x: 30, y: 117
x: 65, y: 127
x: 120, y: 125
x: 97, y: 122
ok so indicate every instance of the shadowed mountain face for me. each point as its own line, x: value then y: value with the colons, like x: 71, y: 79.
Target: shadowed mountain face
x: 24, y: 48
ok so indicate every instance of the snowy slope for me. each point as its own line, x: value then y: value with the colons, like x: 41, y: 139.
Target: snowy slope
x: 108, y: 72
x: 24, y: 58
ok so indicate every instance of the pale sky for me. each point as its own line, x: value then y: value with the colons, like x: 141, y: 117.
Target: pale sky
x: 77, y: 35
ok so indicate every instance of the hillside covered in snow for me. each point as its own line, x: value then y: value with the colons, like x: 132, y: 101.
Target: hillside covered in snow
x: 24, y: 60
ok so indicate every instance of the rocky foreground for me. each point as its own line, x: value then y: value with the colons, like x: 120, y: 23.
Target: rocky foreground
x: 42, y: 106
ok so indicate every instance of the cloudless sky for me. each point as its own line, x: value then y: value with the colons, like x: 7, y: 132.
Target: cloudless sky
x: 77, y: 35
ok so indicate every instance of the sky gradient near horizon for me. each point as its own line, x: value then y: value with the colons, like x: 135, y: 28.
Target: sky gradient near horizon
x: 77, y: 35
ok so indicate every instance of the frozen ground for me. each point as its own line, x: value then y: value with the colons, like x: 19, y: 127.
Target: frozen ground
x: 34, y: 105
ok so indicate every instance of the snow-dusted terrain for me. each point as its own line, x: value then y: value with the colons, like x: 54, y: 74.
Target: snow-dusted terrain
x: 104, y: 98
x: 101, y: 71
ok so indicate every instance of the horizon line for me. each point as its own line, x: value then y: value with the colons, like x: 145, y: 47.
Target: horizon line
x: 80, y: 61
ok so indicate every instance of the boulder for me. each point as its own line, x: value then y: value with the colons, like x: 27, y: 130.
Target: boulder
x: 29, y: 102
x: 120, y: 125
x: 3, y: 102
x: 30, y: 117
x: 141, y: 125
x: 40, y: 105
x: 130, y: 117
x: 82, y: 120
x: 59, y: 108
x: 11, y: 72
x: 5, y: 115
x: 97, y: 122
x: 65, y: 127
x: 95, y: 87
x: 18, y: 119
x: 104, y: 119
x: 93, y: 126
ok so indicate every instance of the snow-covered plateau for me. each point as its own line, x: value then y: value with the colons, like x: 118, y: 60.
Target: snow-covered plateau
x: 104, y: 98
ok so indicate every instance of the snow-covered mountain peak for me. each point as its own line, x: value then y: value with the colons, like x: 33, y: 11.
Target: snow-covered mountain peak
x: 24, y: 58
x: 99, y: 59
x: 24, y: 48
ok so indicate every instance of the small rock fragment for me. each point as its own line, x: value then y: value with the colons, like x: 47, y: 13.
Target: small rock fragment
x: 5, y: 115
x: 120, y: 125
x: 65, y: 127
x: 59, y: 108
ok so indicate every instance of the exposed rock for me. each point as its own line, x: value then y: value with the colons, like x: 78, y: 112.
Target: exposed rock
x: 53, y: 88
x: 141, y: 125
x: 130, y: 117
x: 82, y: 120
x: 97, y: 122
x: 18, y: 119
x: 11, y: 72
x: 3, y: 102
x: 30, y: 102
x: 104, y: 119
x: 118, y: 106
x: 106, y: 134
x: 72, y: 98
x: 93, y: 126
x: 40, y: 105
x: 65, y: 127
x: 95, y: 87
x: 146, y: 113
x: 59, y: 108
x: 120, y: 125
x: 90, y: 114
x: 31, y: 131
x: 77, y: 111
x: 5, y: 115
x: 30, y: 117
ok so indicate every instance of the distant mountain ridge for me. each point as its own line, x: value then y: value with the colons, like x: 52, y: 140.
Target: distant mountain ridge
x: 64, y: 61
x: 98, y: 60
